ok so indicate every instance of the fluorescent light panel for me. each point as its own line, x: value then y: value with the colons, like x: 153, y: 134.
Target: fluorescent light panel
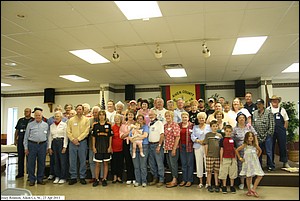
x: 248, y: 45
x: 5, y: 85
x: 74, y: 78
x: 90, y: 56
x: 139, y: 9
x: 176, y: 72
x: 294, y: 68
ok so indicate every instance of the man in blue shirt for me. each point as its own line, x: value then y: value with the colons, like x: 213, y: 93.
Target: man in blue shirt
x: 35, y: 145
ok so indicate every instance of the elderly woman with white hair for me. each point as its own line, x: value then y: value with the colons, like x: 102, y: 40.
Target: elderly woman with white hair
x: 58, y: 142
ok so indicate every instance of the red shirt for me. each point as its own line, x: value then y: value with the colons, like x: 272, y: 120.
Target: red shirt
x: 117, y: 142
x: 183, y: 136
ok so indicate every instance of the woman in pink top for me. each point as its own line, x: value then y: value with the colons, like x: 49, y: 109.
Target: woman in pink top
x: 172, y: 136
x: 145, y: 111
x: 124, y: 133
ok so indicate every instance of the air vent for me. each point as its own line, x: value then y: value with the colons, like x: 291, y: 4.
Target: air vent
x: 173, y: 65
x: 15, y: 76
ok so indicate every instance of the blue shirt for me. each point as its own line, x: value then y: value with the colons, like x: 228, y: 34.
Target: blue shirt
x: 199, y: 134
x: 145, y: 128
x: 37, y: 132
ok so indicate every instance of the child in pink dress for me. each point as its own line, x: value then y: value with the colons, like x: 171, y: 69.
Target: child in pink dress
x: 137, y: 132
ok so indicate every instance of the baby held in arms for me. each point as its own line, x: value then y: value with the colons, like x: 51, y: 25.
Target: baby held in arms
x: 136, y: 133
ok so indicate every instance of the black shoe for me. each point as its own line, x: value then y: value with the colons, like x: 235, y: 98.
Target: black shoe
x: 224, y: 189
x: 96, y: 183
x: 41, y: 182
x: 82, y: 181
x: 217, y: 189
x: 31, y: 183
x: 210, y: 189
x: 72, y: 181
x: 19, y: 176
x: 232, y: 189
x: 114, y: 181
x: 270, y: 169
x: 120, y: 181
x: 104, y: 182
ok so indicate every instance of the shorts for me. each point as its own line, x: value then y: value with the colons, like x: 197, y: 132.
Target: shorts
x: 100, y: 157
x: 212, y: 164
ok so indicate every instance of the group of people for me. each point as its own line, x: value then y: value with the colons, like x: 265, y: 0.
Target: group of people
x: 225, y: 142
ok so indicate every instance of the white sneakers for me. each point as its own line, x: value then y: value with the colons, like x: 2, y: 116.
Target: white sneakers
x: 144, y: 184
x: 286, y: 165
x: 130, y: 181
x: 241, y: 186
x: 62, y: 181
x: 56, y: 180
x: 59, y: 181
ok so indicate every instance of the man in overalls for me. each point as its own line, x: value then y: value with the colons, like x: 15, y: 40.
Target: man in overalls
x: 19, y: 138
x: 281, y: 123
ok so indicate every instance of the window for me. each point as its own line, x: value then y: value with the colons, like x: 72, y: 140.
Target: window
x: 11, y: 124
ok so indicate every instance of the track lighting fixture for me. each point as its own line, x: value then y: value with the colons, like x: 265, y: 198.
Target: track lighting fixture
x: 115, y: 56
x: 158, y: 52
x: 205, y: 51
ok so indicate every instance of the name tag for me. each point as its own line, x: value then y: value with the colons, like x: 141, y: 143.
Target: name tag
x: 190, y: 130
x: 255, y: 119
x: 75, y: 124
x: 168, y: 129
x: 217, y: 137
x: 277, y: 117
x: 231, y: 141
x: 21, y: 130
x: 152, y: 128
x: 105, y: 126
x: 45, y: 131
x: 253, y: 151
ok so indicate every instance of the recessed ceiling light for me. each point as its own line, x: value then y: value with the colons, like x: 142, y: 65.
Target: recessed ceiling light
x: 90, y: 56
x: 248, y: 45
x: 74, y: 78
x: 10, y: 64
x: 139, y: 9
x: 176, y: 72
x: 5, y: 85
x: 294, y: 68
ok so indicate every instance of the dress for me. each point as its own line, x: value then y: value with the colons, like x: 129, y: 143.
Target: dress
x: 251, y: 166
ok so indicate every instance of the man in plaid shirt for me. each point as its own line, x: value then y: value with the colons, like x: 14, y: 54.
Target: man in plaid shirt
x: 264, y: 124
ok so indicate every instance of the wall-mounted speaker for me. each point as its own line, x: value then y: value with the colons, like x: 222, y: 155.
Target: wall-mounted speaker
x: 129, y: 92
x: 49, y: 95
x: 240, y: 88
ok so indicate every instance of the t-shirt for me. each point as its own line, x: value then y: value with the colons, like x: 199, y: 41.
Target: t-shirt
x: 212, y: 141
x: 117, y: 142
x: 102, y: 133
x: 228, y: 145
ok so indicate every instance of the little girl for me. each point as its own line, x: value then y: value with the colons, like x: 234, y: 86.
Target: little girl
x: 251, y: 165
x: 137, y: 132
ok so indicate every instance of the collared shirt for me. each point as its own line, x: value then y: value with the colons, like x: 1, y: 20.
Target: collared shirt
x: 251, y: 108
x: 177, y: 115
x: 58, y: 131
x: 78, y: 128
x: 199, y: 134
x: 171, y: 132
x: 155, y: 130
x: 238, y: 134
x: 37, y: 132
x: 263, y: 123
x: 22, y: 124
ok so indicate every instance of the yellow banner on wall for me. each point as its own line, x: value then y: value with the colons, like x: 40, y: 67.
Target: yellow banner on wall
x: 186, y: 92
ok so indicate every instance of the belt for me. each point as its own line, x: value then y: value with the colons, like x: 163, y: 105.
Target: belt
x: 36, y: 142
x: 153, y: 142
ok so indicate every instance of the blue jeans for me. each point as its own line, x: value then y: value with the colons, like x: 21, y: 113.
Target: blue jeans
x: 156, y: 162
x: 267, y: 145
x: 187, y: 164
x: 60, y: 159
x: 74, y: 152
x: 140, y: 164
x: 36, y: 152
x: 173, y: 162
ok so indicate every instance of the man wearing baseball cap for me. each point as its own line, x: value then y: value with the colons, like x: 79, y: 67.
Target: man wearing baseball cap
x: 281, y: 123
x: 264, y: 124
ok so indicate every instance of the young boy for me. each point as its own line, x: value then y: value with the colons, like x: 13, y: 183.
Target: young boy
x: 228, y: 163
x: 212, y: 152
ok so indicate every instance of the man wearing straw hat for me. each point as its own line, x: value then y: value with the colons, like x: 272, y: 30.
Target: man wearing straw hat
x: 281, y: 123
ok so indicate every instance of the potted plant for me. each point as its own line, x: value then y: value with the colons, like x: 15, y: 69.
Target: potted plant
x: 292, y: 135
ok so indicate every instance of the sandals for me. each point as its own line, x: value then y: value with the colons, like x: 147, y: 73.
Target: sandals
x: 182, y: 183
x: 171, y: 185
x: 188, y: 184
